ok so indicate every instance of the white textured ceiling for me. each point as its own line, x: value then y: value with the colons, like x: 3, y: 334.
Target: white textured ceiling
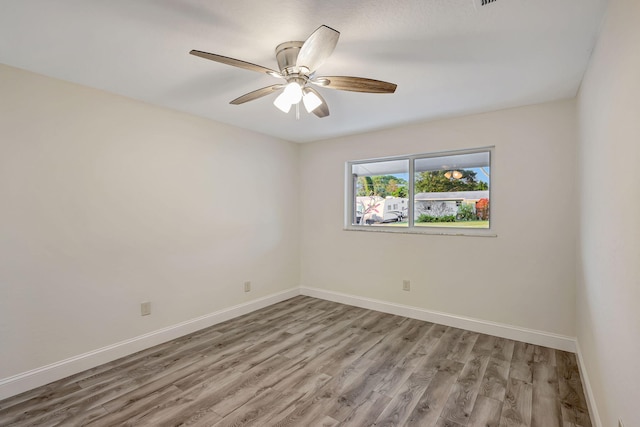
x: 448, y: 57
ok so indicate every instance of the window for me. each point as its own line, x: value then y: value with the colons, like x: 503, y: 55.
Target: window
x: 377, y: 189
x: 437, y: 193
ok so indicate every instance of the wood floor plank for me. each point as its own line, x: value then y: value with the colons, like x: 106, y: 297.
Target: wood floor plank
x: 130, y: 412
x: 443, y: 422
x: 432, y: 337
x: 402, y: 405
x: 381, y: 323
x: 368, y: 412
x: 266, y: 349
x: 324, y: 401
x: 86, y: 404
x: 503, y: 349
x: 462, y: 349
x: 310, y: 362
x: 289, y: 370
x: 486, y: 412
x: 227, y: 399
x: 200, y: 402
x: 546, y: 410
x: 494, y: 383
x: 428, y: 338
x: 517, y: 405
x: 306, y: 325
x: 39, y: 406
x: 544, y: 355
x: 431, y: 403
x: 327, y: 421
x: 366, y: 376
x: 48, y: 393
x: 522, y: 371
x: 201, y: 418
x: 263, y: 411
x: 259, y: 410
x: 575, y: 415
x: 445, y: 346
x: 569, y: 382
x: 392, y: 381
x: 171, y: 378
x: 484, y: 345
x: 332, y: 360
x: 82, y: 417
x: 523, y: 352
x: 397, y: 344
x: 463, y: 394
x: 312, y: 345
x: 134, y: 367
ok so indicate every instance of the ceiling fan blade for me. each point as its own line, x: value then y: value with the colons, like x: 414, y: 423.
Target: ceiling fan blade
x: 355, y: 84
x: 323, y: 109
x: 236, y: 63
x: 317, y: 48
x: 256, y: 94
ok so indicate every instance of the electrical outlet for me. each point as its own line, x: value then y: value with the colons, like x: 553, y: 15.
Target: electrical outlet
x: 145, y: 308
x: 247, y: 286
x: 406, y: 285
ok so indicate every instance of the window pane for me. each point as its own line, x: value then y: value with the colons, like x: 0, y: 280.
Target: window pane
x: 452, y: 190
x: 380, y: 193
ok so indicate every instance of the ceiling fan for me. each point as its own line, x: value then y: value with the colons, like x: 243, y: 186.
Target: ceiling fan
x: 298, y: 62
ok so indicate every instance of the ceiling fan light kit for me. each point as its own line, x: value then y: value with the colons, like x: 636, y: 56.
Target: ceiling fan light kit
x: 292, y: 94
x: 298, y: 62
x: 310, y: 100
x: 455, y: 174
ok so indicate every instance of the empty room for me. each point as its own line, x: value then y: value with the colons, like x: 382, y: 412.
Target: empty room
x: 306, y: 213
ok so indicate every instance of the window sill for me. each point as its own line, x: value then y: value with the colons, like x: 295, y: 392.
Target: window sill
x: 423, y: 231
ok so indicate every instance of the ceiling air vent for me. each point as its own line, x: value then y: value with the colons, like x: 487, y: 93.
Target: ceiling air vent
x: 477, y: 4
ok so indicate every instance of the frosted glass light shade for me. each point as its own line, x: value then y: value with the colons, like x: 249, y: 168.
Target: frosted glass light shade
x: 292, y: 94
x: 282, y: 103
x: 311, y: 101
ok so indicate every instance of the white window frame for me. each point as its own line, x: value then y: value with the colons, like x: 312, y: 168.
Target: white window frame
x: 349, y: 201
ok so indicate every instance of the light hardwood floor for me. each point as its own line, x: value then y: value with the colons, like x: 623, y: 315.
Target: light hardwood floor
x: 310, y: 362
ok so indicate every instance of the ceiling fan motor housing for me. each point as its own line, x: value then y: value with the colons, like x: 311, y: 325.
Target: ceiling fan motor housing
x: 287, y: 55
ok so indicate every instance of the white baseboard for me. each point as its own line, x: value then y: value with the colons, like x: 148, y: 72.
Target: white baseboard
x: 22, y: 382
x: 546, y: 339
x: 586, y: 386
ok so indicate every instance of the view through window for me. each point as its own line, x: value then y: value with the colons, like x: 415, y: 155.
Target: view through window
x: 381, y: 192
x: 418, y: 192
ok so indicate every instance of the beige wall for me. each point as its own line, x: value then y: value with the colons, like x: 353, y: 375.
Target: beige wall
x: 608, y: 322
x: 107, y: 202
x: 524, y: 277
